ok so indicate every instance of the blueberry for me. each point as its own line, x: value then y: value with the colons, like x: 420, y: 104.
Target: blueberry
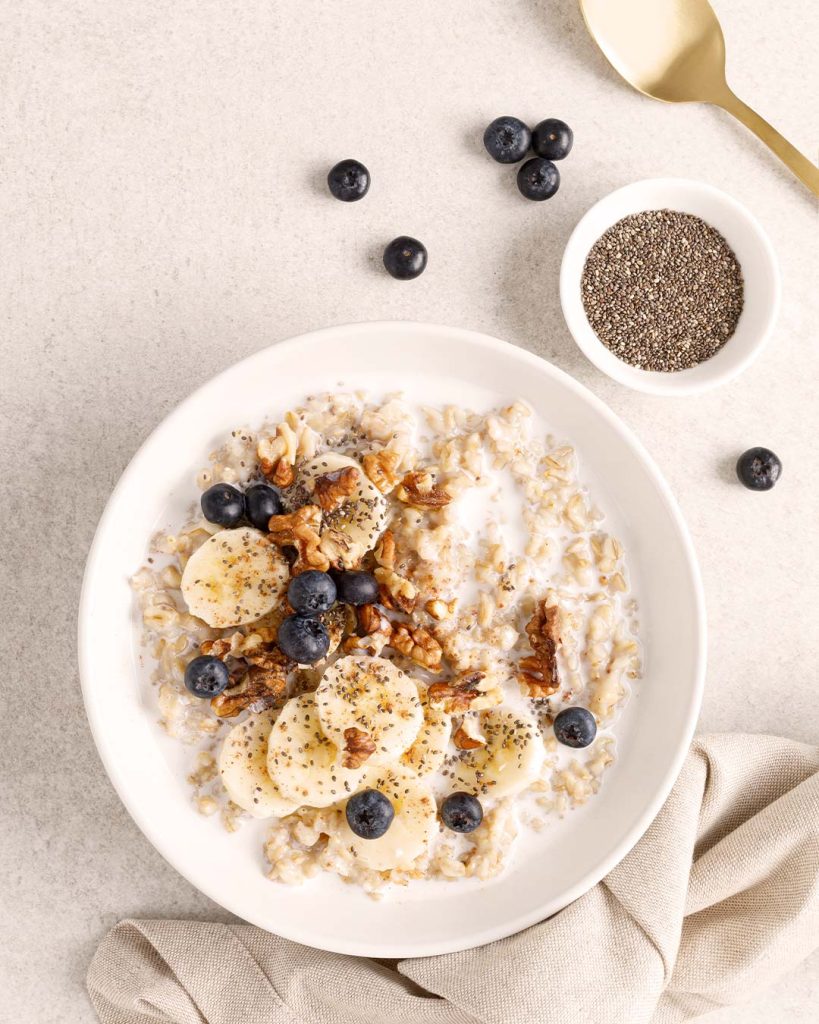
x: 303, y: 640
x: 356, y: 587
x: 575, y: 727
x: 405, y: 258
x: 369, y: 814
x: 552, y: 139
x: 311, y: 592
x: 223, y: 505
x: 349, y: 181
x: 759, y: 469
x: 461, y: 812
x: 261, y: 502
x: 538, y: 179
x: 206, y: 676
x: 507, y: 140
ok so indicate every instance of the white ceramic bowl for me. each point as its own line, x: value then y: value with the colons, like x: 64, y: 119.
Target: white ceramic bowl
x: 549, y: 869
x: 743, y: 233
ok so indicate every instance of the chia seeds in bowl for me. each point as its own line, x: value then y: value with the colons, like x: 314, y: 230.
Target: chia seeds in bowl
x: 662, y: 290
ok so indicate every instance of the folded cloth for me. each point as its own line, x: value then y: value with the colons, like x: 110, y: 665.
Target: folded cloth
x: 719, y: 898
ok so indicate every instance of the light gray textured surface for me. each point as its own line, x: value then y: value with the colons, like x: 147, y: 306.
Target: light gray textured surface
x: 163, y: 215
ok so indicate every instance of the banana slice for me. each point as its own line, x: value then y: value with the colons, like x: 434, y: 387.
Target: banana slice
x: 428, y: 752
x: 243, y: 768
x: 235, y: 577
x: 303, y: 762
x: 362, y: 518
x: 412, y: 828
x: 374, y: 696
x: 510, y: 761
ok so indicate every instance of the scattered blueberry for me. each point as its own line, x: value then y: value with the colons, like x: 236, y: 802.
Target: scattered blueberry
x: 303, y: 640
x: 575, y: 727
x: 369, y: 814
x: 507, y: 140
x: 311, y: 592
x: 356, y: 587
x: 759, y: 469
x: 552, y: 139
x: 349, y: 181
x: 206, y: 676
x: 405, y: 258
x: 461, y: 812
x: 223, y: 505
x: 538, y: 179
x: 261, y: 502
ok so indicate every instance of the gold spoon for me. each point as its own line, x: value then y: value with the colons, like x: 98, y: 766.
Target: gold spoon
x: 674, y: 50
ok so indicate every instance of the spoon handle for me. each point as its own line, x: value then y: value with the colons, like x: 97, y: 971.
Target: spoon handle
x: 806, y: 171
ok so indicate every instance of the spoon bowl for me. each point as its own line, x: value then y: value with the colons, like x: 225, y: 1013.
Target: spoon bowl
x: 674, y: 50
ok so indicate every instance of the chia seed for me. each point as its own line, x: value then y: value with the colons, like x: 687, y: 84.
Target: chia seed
x: 662, y: 290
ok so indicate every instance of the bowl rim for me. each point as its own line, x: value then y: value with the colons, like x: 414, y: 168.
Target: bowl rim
x: 655, y: 382
x: 121, y: 779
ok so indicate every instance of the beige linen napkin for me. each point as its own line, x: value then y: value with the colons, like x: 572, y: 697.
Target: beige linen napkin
x: 719, y: 898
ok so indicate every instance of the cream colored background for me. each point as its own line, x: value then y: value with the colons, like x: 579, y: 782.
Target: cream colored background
x: 163, y: 214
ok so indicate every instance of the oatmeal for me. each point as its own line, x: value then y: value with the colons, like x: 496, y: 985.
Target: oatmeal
x: 379, y: 607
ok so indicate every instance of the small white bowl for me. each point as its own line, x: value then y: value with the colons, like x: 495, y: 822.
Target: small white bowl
x: 743, y: 233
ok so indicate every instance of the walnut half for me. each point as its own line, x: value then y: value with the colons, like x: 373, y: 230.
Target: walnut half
x: 384, y: 551
x: 358, y: 747
x: 259, y: 688
x: 419, y: 644
x: 380, y: 468
x: 394, y: 591
x: 458, y: 694
x: 277, y: 455
x: 467, y: 736
x: 283, y: 475
x: 420, y: 490
x: 333, y: 489
x: 252, y: 648
x: 376, y: 629
x: 300, y: 530
x: 538, y: 673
